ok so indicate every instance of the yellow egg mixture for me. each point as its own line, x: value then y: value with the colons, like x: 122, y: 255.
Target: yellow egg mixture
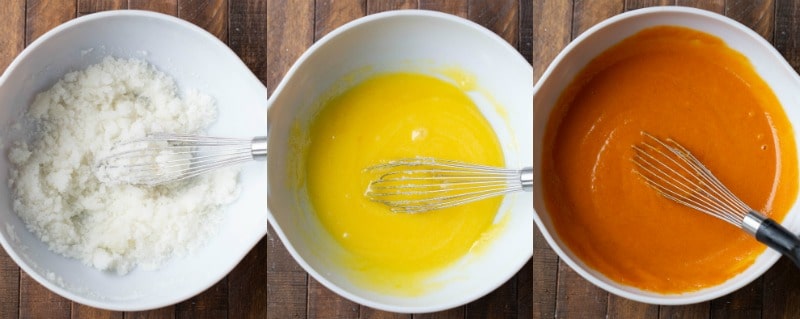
x: 386, y: 117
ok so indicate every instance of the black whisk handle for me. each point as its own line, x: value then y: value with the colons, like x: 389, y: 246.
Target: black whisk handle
x: 779, y: 238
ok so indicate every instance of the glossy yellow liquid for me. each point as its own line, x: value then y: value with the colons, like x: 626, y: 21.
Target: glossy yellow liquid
x: 387, y: 117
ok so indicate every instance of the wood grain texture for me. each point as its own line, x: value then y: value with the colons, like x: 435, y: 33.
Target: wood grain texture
x: 325, y: 304
x: 500, y: 303
x: 577, y: 298
x: 370, y: 313
x: 248, y: 34
x: 375, y: 6
x: 211, y: 15
x: 12, y: 41
x: 43, y: 15
x: 545, y: 277
x: 717, y: 6
x: 551, y: 32
x: 210, y: 304
x: 330, y: 14
x: 454, y: 313
x: 36, y: 301
x: 163, y: 6
x: 290, y: 30
x: 638, y: 4
x: 781, y: 293
x: 695, y: 311
x: 459, y: 8
x: 619, y: 307
x: 9, y: 287
x: 247, y: 285
x: 524, y: 282
x: 160, y: 313
x: 744, y: 303
x: 286, y: 282
x: 525, y: 37
x: 787, y: 31
x: 92, y: 6
x: 81, y: 311
x: 500, y: 16
x: 756, y: 15
x: 587, y: 13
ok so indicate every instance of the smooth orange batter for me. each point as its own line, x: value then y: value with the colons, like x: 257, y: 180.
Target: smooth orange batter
x: 387, y: 117
x: 689, y: 86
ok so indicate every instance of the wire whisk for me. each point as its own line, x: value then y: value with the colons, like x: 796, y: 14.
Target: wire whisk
x: 417, y: 185
x: 676, y: 174
x: 162, y: 158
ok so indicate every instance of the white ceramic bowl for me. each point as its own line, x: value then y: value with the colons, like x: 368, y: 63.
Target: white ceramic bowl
x: 769, y: 64
x: 420, y: 41
x: 195, y: 59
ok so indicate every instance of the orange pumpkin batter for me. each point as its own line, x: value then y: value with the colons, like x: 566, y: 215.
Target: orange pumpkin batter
x: 678, y: 83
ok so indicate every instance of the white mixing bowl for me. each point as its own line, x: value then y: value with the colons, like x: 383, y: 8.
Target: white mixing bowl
x: 419, y: 41
x: 769, y: 64
x: 195, y: 59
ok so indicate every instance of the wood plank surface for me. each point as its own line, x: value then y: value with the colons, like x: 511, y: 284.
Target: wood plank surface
x: 12, y: 41
x: 163, y: 6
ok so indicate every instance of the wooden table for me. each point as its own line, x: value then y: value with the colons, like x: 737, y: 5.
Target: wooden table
x: 560, y: 292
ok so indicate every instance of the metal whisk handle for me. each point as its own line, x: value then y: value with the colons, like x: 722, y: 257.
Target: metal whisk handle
x: 774, y: 235
x: 258, y: 148
x: 526, y: 178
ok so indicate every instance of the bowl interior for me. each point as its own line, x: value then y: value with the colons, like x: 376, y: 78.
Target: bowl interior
x: 195, y: 59
x: 416, y: 41
x: 767, y: 62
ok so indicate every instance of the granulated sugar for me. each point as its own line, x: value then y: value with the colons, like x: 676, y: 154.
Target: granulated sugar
x: 114, y: 227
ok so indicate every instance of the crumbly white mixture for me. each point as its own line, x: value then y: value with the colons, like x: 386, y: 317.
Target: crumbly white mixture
x: 113, y: 227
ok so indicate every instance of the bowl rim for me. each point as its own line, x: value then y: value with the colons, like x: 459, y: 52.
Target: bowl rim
x: 736, y: 282
x: 405, y: 13
x: 134, y: 304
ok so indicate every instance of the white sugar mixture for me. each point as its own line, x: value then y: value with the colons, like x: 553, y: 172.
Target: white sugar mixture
x: 114, y: 227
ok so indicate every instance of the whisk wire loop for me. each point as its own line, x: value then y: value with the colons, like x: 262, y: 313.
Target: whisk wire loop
x: 676, y: 174
x: 424, y: 184
x: 160, y: 158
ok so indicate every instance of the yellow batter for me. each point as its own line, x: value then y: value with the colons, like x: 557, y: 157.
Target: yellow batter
x: 387, y: 117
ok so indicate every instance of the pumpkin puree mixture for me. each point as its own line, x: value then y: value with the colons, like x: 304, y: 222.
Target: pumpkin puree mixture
x: 689, y: 86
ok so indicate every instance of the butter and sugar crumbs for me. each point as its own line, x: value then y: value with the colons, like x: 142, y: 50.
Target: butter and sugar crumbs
x: 114, y: 227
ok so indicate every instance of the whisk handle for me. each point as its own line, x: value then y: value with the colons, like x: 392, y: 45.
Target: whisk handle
x: 526, y: 179
x: 258, y: 148
x: 779, y: 238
